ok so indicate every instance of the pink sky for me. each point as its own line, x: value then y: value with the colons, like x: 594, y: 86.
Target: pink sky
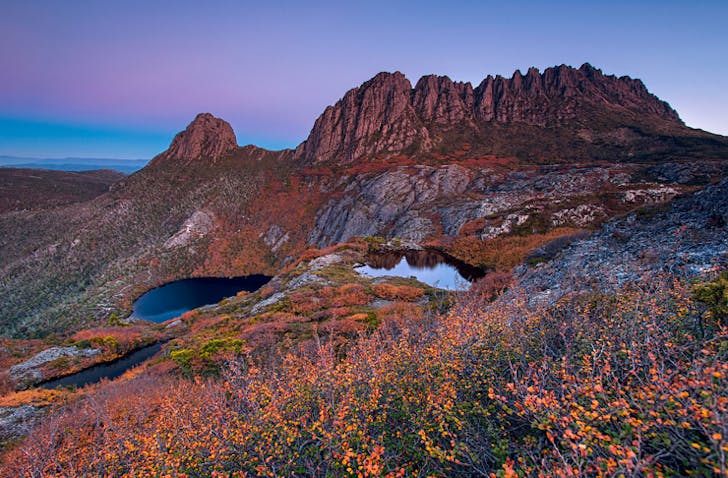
x: 116, y: 72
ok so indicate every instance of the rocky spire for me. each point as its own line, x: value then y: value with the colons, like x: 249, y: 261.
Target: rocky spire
x: 207, y: 137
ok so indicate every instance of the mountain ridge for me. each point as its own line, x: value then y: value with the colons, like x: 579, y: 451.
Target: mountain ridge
x: 564, y: 113
x: 415, y: 118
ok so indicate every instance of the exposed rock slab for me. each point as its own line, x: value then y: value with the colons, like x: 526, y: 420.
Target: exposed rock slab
x: 30, y: 372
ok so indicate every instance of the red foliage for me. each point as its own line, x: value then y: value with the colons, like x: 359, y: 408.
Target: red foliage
x: 397, y: 292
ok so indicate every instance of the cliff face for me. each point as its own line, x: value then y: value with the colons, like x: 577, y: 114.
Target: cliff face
x: 386, y: 116
x: 563, y: 94
x: 377, y: 116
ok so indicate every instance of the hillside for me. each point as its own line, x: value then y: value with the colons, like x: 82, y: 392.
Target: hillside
x: 462, y: 169
x: 622, y: 372
x: 29, y: 189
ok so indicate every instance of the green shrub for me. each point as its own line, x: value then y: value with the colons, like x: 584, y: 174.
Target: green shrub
x: 715, y: 295
x: 212, y: 346
x: 114, y: 320
x: 183, y: 358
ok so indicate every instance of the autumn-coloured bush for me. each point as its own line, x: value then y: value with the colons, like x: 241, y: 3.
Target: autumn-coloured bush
x: 200, y: 360
x: 399, y: 312
x: 112, y: 340
x: 473, y: 227
x: 627, y: 384
x: 397, y: 292
x: 349, y: 295
x: 487, y: 288
x: 501, y: 253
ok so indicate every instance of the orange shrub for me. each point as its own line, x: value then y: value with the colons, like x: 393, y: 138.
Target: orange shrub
x: 501, y: 253
x: 359, y: 317
x: 628, y: 383
x: 472, y: 227
x: 266, y: 290
x: 397, y: 292
x: 399, y: 312
x: 346, y: 326
x: 487, y: 288
x: 349, y: 295
x: 115, y: 338
x: 304, y: 303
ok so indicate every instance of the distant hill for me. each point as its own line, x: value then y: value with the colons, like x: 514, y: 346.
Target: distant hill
x: 126, y: 166
x: 32, y: 189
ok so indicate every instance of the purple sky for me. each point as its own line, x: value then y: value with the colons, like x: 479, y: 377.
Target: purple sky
x: 118, y: 79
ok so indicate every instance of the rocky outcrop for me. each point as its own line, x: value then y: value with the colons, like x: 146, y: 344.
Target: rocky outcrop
x: 386, y: 116
x: 688, y: 238
x: 439, y: 100
x: 421, y: 202
x: 274, y: 237
x: 30, y: 371
x: 395, y: 203
x: 15, y: 422
x: 197, y: 226
x: 207, y: 137
x: 561, y: 94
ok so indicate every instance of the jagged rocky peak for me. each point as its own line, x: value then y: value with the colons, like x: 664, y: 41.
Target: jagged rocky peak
x: 560, y: 94
x: 439, y: 99
x: 376, y: 117
x: 206, y: 137
x: 387, y: 116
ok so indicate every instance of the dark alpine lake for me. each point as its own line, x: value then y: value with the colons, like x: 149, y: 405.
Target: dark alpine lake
x: 430, y: 267
x: 174, y: 299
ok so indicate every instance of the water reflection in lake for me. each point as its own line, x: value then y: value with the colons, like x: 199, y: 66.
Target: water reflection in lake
x: 429, y: 267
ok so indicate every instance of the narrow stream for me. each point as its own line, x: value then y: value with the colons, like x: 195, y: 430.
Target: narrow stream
x: 108, y: 370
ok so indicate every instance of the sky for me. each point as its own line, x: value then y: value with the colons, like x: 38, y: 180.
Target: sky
x: 117, y: 79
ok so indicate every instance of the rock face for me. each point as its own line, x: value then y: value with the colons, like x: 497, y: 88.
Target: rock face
x: 688, y: 238
x: 399, y: 203
x: 206, y: 137
x: 376, y: 117
x: 387, y: 116
x: 17, y: 421
x: 561, y: 93
x: 198, y: 225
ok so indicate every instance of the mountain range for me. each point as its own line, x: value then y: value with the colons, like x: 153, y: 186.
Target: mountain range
x: 441, y: 163
x: 591, y: 220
